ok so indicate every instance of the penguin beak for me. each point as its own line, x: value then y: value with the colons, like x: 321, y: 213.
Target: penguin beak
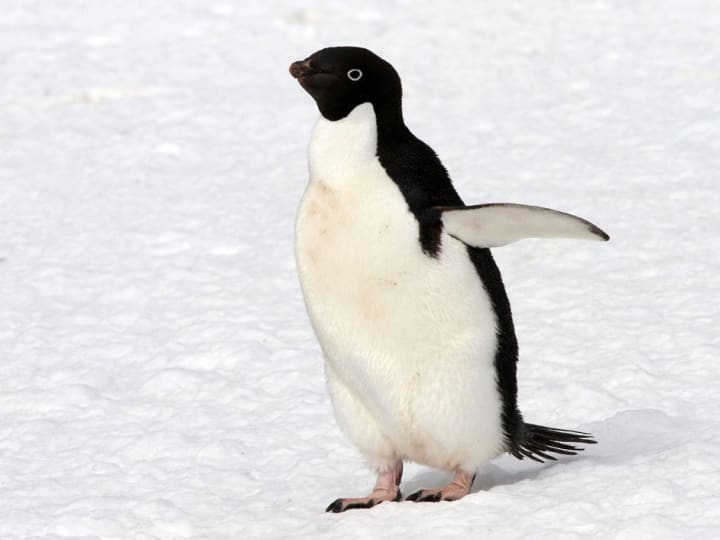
x: 310, y: 77
x: 303, y: 68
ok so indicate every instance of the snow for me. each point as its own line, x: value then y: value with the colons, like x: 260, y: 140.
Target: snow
x: 158, y: 374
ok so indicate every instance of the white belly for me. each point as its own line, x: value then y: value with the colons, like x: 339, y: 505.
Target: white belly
x: 409, y: 340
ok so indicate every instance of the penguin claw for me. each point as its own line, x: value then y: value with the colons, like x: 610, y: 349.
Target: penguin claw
x: 414, y: 496
x: 340, y: 505
x: 335, y: 507
x: 425, y: 496
x: 457, y: 489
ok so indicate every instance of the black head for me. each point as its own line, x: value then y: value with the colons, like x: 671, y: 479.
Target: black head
x: 341, y: 78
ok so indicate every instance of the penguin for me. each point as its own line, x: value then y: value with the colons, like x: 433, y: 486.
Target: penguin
x: 403, y: 293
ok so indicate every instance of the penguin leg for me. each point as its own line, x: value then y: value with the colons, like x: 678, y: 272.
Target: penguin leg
x: 387, y: 488
x: 457, y: 489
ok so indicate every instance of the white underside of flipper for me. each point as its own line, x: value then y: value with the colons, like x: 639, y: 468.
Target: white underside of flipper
x: 493, y: 225
x: 409, y: 340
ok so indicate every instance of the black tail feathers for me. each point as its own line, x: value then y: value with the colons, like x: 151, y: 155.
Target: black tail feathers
x: 538, y: 442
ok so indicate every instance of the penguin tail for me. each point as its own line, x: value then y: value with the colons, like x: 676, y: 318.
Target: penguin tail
x: 539, y: 442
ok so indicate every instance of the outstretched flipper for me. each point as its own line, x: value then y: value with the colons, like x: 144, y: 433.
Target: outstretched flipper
x: 493, y: 225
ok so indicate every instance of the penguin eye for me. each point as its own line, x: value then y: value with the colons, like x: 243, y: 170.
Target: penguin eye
x: 354, y: 74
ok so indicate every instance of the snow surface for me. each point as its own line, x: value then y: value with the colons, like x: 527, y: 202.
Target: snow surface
x: 158, y: 375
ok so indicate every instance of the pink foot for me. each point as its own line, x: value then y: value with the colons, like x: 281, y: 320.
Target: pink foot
x: 457, y: 489
x: 386, y: 489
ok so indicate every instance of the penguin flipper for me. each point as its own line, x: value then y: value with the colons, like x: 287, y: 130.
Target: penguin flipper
x: 498, y: 224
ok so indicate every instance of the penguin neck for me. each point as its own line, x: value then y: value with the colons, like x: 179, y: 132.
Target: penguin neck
x: 390, y: 122
x: 341, y: 149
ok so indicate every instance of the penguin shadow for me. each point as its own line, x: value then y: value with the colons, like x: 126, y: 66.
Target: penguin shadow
x: 620, y: 439
x: 490, y: 476
x: 507, y: 472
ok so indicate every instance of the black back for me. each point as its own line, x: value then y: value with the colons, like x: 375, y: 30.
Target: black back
x: 420, y: 176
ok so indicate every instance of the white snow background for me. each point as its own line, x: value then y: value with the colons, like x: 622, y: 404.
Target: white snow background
x: 158, y: 374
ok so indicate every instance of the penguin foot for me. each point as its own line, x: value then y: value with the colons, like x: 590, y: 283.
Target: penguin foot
x: 387, y: 488
x: 375, y: 498
x: 448, y: 493
x: 457, y: 489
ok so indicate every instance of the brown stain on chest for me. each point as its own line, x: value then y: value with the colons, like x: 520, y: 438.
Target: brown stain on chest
x: 331, y: 251
x: 324, y: 208
x: 324, y: 214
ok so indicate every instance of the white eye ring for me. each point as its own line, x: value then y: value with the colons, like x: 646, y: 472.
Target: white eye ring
x: 354, y: 74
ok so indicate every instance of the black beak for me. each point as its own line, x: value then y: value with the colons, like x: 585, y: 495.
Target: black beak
x: 313, y: 79
x: 303, y: 68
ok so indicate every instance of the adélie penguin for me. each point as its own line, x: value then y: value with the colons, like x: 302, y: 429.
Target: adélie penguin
x: 403, y: 293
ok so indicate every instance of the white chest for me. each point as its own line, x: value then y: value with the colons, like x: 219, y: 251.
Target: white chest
x: 356, y: 239
x: 368, y: 285
x: 403, y: 334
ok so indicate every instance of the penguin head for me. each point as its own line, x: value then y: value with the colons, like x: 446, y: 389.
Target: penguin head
x: 341, y: 78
